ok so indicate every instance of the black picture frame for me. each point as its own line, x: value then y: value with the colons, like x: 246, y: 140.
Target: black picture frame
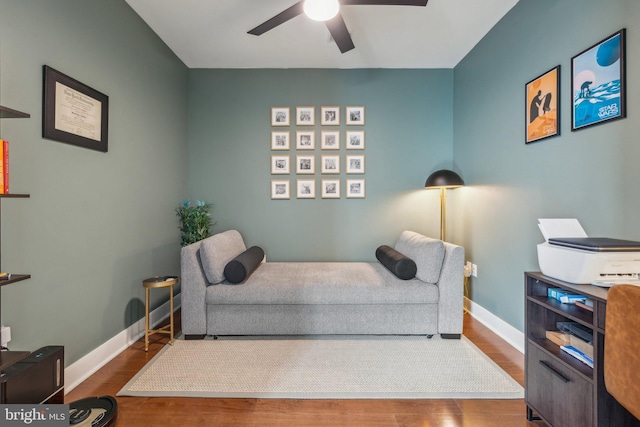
x: 542, y: 106
x: 602, y: 65
x: 70, y: 112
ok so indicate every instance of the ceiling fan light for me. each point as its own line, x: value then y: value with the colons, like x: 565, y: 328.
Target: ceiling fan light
x: 321, y: 10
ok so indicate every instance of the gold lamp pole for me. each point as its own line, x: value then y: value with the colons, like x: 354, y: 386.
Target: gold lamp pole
x: 442, y: 180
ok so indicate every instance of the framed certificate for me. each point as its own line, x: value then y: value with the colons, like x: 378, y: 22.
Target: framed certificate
x: 74, y: 113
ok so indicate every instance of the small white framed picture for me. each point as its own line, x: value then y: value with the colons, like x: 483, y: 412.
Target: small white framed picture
x: 280, y: 165
x: 280, y: 140
x: 330, y: 140
x: 355, y: 189
x: 305, y: 116
x: 330, y: 164
x: 355, y: 164
x: 306, y: 189
x: 330, y: 188
x: 355, y: 140
x: 305, y: 164
x: 329, y: 116
x: 280, y: 189
x: 280, y: 116
x: 355, y: 115
x: 305, y: 140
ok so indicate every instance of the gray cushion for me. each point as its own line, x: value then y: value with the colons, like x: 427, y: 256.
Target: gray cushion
x: 324, y: 283
x: 216, y: 252
x: 427, y: 253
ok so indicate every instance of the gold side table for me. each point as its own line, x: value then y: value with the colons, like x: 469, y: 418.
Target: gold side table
x: 155, y: 283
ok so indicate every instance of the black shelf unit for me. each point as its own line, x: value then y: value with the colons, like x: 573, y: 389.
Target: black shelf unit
x: 8, y: 356
x: 28, y: 377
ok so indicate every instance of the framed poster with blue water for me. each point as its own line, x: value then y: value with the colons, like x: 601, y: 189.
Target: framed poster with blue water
x: 598, y: 83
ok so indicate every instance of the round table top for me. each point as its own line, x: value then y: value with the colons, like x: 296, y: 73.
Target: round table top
x: 160, y: 281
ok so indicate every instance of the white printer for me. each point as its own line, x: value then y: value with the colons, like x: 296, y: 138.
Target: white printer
x: 569, y: 255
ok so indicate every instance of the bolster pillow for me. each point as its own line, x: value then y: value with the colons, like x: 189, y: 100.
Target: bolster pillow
x: 403, y: 267
x: 238, y: 269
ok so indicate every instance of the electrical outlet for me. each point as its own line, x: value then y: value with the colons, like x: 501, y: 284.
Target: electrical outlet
x: 474, y: 270
x: 5, y: 335
x: 468, y: 269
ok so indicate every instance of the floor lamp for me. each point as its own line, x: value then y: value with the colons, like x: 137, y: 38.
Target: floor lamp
x: 442, y: 180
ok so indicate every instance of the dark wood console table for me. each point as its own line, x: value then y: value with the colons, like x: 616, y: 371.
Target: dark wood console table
x: 8, y: 358
x: 560, y: 389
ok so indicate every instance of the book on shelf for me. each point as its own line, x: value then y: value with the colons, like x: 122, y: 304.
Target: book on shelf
x: 4, y: 166
x: 587, y: 305
x: 584, y: 358
x: 582, y: 345
x: 566, y: 339
x: 564, y: 296
x: 559, y: 338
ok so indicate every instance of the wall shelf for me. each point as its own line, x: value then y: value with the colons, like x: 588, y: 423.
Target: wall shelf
x: 42, y: 383
x: 10, y: 113
x: 15, y: 196
x: 15, y: 278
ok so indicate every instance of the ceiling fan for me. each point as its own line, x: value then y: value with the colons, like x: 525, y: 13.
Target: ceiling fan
x: 332, y: 19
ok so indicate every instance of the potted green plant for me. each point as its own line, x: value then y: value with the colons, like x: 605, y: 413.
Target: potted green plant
x: 195, y: 221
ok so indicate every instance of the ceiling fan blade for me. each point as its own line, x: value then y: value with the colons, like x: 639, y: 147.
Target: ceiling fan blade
x: 340, y: 33
x: 385, y: 2
x: 280, y: 18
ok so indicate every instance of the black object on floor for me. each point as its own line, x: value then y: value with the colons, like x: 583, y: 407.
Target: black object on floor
x: 93, y: 411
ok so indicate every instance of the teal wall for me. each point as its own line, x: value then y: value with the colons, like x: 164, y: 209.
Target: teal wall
x: 96, y: 224
x: 408, y: 134
x: 591, y: 174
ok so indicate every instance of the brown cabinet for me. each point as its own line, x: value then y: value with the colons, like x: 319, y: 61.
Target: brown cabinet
x: 559, y: 389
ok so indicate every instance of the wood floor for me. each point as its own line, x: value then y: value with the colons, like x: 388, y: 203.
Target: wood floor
x: 145, y: 412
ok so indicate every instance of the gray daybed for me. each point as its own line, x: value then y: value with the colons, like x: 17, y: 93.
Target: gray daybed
x: 303, y: 298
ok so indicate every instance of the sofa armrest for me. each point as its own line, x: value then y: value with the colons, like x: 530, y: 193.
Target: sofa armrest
x: 193, y: 290
x: 451, y: 288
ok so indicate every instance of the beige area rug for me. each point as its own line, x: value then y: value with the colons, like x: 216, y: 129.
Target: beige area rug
x: 324, y: 368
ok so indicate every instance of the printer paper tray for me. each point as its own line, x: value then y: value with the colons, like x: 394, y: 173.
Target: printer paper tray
x: 597, y: 244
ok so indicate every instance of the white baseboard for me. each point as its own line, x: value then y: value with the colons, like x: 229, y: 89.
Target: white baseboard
x: 501, y: 328
x: 82, y: 369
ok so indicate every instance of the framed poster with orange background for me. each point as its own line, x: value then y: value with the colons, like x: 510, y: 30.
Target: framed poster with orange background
x: 542, y: 117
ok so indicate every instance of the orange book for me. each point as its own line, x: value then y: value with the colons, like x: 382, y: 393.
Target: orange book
x: 5, y: 166
x: 2, y: 190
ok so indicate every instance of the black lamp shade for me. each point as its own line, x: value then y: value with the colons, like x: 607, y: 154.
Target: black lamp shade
x: 444, y: 178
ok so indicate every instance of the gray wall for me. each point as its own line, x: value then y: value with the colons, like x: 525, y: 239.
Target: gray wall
x: 96, y: 224
x: 408, y: 130
x: 591, y: 174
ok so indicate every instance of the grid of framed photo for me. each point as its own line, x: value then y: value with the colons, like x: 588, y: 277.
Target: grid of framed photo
x: 323, y: 165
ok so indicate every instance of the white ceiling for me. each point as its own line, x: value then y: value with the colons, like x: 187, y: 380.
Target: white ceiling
x: 213, y: 33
